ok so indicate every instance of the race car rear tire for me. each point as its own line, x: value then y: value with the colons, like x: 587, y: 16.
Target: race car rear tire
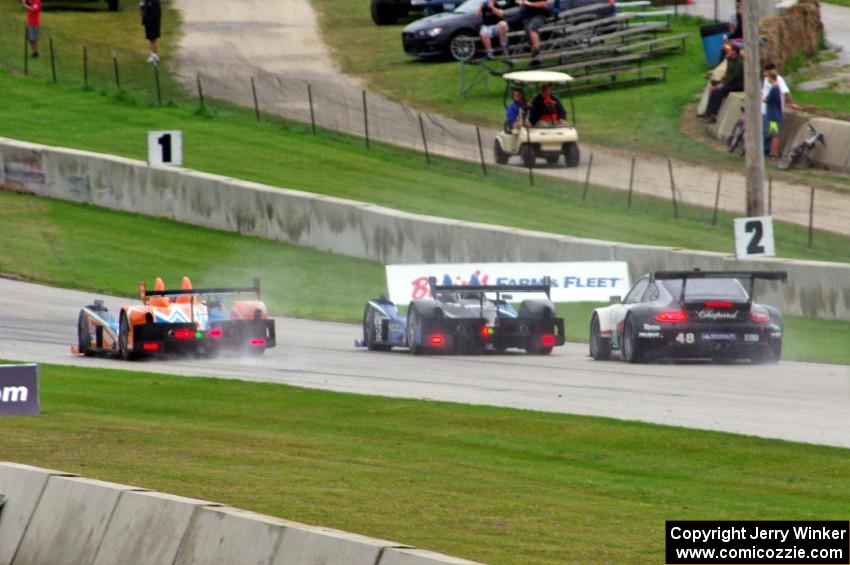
x: 412, y: 323
x: 83, y: 335
x: 369, y: 337
x: 572, y: 156
x: 498, y: 155
x: 632, y: 349
x: 123, y: 338
x: 600, y: 347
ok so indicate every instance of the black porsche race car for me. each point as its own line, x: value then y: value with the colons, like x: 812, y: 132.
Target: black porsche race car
x: 463, y: 319
x: 690, y: 314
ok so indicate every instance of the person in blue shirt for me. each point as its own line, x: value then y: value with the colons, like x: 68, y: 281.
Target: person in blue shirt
x: 773, y: 114
x: 516, y: 109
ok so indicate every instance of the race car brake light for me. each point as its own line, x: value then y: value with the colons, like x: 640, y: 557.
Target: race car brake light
x: 216, y: 332
x: 257, y: 342
x: 436, y: 340
x: 487, y: 332
x: 184, y: 334
x: 672, y: 316
x: 759, y: 316
x: 718, y: 304
x: 150, y: 346
x: 547, y: 340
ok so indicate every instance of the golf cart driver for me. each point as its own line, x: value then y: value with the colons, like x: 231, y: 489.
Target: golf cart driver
x: 549, y: 131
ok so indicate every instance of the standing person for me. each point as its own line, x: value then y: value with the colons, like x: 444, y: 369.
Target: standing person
x: 534, y: 14
x: 785, y: 96
x: 151, y: 19
x: 33, y: 8
x: 773, y: 101
x: 492, y: 24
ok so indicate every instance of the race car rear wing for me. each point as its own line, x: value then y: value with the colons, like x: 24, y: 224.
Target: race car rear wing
x: 781, y: 276
x: 145, y: 294
x: 497, y: 288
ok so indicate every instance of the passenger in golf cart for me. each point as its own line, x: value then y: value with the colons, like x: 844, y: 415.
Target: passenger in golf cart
x: 546, y: 109
x: 517, y: 110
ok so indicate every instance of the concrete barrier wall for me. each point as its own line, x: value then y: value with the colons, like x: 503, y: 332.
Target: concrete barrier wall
x: 363, y: 230
x: 23, y: 486
x: 54, y: 518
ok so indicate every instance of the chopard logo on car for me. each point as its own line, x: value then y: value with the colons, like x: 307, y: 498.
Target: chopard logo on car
x: 706, y: 314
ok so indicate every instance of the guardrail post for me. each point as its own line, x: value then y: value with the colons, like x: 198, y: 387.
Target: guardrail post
x: 424, y: 140
x: 716, y: 201
x: 52, y: 59
x: 26, y: 53
x: 365, y: 120
x: 673, y: 188
x: 481, y: 150
x: 156, y: 82
x: 115, y: 70
x: 312, y: 114
x: 200, y: 89
x: 811, y: 215
x: 587, y: 177
x: 256, y: 102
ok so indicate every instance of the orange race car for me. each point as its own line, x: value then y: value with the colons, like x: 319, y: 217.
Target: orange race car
x: 178, y: 321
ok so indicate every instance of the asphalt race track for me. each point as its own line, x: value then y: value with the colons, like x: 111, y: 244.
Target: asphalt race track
x: 795, y: 401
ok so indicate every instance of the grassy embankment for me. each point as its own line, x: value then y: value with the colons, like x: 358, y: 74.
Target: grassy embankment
x: 496, y: 485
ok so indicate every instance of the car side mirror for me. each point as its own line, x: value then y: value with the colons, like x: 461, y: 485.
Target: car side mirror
x: 615, y: 299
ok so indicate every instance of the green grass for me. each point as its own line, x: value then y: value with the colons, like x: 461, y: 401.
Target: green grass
x: 90, y: 21
x: 647, y: 117
x: 94, y: 249
x: 61, y: 244
x: 284, y: 154
x: 496, y: 485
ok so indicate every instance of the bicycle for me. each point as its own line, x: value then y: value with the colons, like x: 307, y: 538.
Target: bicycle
x: 735, y: 141
x: 801, y: 150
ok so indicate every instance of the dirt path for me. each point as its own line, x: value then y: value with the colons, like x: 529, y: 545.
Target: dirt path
x: 278, y: 44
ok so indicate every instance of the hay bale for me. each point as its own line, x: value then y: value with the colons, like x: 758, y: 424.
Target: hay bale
x: 798, y: 29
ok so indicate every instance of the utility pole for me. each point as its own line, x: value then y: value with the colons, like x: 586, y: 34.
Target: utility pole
x: 753, y: 138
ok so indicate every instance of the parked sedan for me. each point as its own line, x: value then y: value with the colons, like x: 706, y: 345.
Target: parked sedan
x: 433, y: 36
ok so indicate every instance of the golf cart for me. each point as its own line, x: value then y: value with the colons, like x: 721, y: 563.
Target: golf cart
x: 547, y: 139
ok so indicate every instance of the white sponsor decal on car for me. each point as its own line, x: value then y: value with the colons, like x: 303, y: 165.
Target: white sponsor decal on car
x: 649, y: 334
x: 652, y: 327
x: 719, y: 336
x: 751, y: 337
x: 706, y: 314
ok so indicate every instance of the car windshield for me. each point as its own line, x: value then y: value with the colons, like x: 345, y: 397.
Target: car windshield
x: 468, y: 7
x: 700, y: 289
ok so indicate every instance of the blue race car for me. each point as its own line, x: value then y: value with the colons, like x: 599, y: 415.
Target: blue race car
x: 464, y: 319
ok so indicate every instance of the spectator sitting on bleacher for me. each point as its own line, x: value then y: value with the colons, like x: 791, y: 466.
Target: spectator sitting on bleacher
x: 493, y: 24
x: 546, y: 109
x: 516, y: 109
x: 733, y: 81
x: 534, y: 14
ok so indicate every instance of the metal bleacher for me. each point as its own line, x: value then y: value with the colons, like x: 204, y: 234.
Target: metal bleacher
x: 599, y: 53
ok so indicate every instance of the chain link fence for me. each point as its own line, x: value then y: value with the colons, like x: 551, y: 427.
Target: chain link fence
x: 340, y: 105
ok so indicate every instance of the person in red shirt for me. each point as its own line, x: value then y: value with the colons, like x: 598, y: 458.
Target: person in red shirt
x: 33, y: 8
x: 546, y: 109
